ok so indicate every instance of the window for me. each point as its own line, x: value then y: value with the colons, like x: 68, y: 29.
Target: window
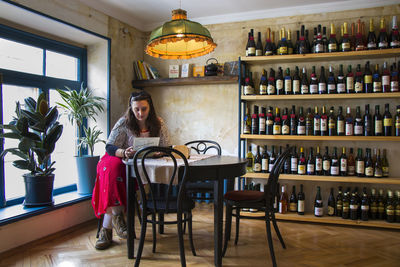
x: 30, y: 65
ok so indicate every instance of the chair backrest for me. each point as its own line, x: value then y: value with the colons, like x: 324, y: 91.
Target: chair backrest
x: 272, y: 183
x: 177, y: 177
x: 203, y: 146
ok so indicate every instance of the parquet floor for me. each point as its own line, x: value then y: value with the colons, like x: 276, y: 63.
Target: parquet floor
x: 307, y: 245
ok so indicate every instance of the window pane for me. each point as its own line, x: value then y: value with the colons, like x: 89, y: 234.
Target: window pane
x: 20, y: 57
x: 14, y: 183
x: 65, y: 173
x: 61, y: 66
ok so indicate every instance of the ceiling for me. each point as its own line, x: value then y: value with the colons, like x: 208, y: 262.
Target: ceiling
x: 146, y: 15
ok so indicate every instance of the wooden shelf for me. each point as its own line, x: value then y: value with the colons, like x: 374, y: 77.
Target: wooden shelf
x: 327, y: 219
x: 323, y: 97
x: 319, y: 178
x: 367, y: 54
x: 319, y: 138
x: 185, y: 81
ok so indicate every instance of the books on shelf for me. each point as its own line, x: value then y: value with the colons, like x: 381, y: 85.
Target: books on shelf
x: 173, y: 71
x: 144, y: 71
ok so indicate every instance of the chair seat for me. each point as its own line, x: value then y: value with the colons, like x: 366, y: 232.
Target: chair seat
x: 244, y: 195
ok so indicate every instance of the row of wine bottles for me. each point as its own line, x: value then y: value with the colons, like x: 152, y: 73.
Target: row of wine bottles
x: 265, y: 122
x: 355, y: 41
x: 359, y: 82
x: 372, y: 165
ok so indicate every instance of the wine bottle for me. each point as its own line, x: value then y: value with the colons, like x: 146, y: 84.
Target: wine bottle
x: 340, y: 39
x: 293, y: 161
x: 367, y: 122
x: 313, y: 82
x: 308, y: 43
x: 288, y: 82
x: 277, y: 130
x: 343, y: 163
x: 324, y: 122
x: 283, y: 201
x: 257, y: 161
x: 268, y: 50
x: 353, y: 207
x: 385, y: 78
x: 300, y: 201
x: 250, y: 160
x: 251, y: 45
x: 324, y: 39
x: 339, y: 203
x: 359, y: 81
x: 346, y: 46
x: 368, y: 86
x: 340, y: 122
x: 383, y: 38
x: 318, y: 204
x: 272, y: 158
x: 316, y: 122
x: 304, y: 83
x: 332, y: 45
x: 247, y: 122
x: 273, y: 42
x: 301, y: 164
x: 297, y: 44
x: 350, y: 81
x: 309, y: 122
x: 374, y: 204
x: 254, y: 120
x: 264, y: 160
x: 285, y: 122
x: 378, y: 173
x: 341, y: 83
x: 279, y: 82
x: 397, y: 207
x: 296, y: 82
x: 289, y: 42
x: 301, y: 123
x: 394, y: 35
x: 376, y: 80
x: 271, y: 83
x: 286, y: 164
x: 371, y: 45
x: 351, y: 164
x: 387, y: 121
x: 358, y: 123
x: 331, y: 122
x: 259, y: 46
x: 311, y: 163
x: 263, y: 83
x: 397, y: 121
x: 283, y: 49
x: 261, y: 121
x: 318, y: 162
x: 385, y: 165
x: 378, y: 123
x: 269, y: 122
x: 248, y: 88
x: 314, y: 41
x: 352, y: 37
x: 293, y: 200
x: 394, y: 79
x: 326, y: 163
x: 302, y: 48
x: 381, y: 205
x: 322, y: 81
x: 346, y: 206
x: 369, y: 167
x: 293, y: 121
x: 319, y: 45
x: 359, y: 43
x: 390, y: 215
x: 349, y: 123
x: 364, y: 205
x: 360, y: 166
x: 334, y: 163
x: 331, y: 204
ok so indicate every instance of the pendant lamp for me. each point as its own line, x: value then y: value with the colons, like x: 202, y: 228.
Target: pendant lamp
x: 180, y: 39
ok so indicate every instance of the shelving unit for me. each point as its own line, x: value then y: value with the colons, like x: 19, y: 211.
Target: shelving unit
x: 185, y: 81
x: 264, y: 61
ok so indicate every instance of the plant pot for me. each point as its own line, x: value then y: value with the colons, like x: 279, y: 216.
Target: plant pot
x: 38, y: 190
x: 86, y: 167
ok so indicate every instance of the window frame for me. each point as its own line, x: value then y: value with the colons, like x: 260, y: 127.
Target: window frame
x: 42, y: 82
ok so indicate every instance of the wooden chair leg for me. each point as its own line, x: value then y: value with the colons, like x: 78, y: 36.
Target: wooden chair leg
x: 228, y: 226
x: 269, y: 237
x: 154, y: 225
x: 141, y: 240
x: 180, y: 239
x: 278, y: 233
x: 237, y: 225
x: 190, y: 229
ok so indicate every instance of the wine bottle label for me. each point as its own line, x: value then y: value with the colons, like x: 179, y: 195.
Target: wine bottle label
x: 378, y: 126
x: 349, y: 129
x: 246, y: 129
x: 394, y: 86
x: 258, y: 52
x: 385, y: 171
x: 288, y: 85
x: 293, y: 206
x: 326, y: 165
x: 383, y: 44
x: 322, y: 87
x: 343, y: 165
x: 314, y: 88
x: 345, y: 208
x: 324, y: 124
x: 332, y: 87
x: 300, y: 206
x: 251, y: 51
x: 296, y: 86
x: 318, y: 211
x: 345, y: 46
x: 264, y: 165
x: 340, y: 127
x: 285, y: 129
x: 283, y: 50
x: 360, y: 167
x: 331, y: 124
x: 386, y: 80
x: 263, y: 89
x: 368, y: 79
x: 318, y: 164
x: 257, y: 167
x: 317, y: 124
x: 358, y: 88
x: 334, y: 170
x: 358, y: 130
x: 319, y: 48
x: 248, y: 90
x: 269, y: 122
x: 276, y: 129
x: 270, y: 89
x: 387, y: 122
x: 282, y: 208
x: 270, y: 165
x: 293, y: 164
x: 365, y: 207
x: 331, y: 211
x: 377, y: 87
x: 301, y: 129
x: 351, y: 170
x: 353, y: 206
x: 268, y: 53
x: 304, y: 89
x: 395, y: 43
x: 389, y: 212
x: 332, y: 47
x: 371, y: 45
x: 397, y: 211
x: 341, y: 88
x: 378, y: 172
x: 349, y: 83
x: 301, y: 169
x: 310, y: 168
x: 279, y: 84
x: 369, y: 171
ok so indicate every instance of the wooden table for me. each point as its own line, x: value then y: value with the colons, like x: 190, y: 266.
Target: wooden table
x: 216, y: 169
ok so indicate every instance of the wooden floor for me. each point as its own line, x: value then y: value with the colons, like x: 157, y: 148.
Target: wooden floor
x: 307, y: 245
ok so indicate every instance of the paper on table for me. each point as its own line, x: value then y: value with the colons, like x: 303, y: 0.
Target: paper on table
x: 140, y: 142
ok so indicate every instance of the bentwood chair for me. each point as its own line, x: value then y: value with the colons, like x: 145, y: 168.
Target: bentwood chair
x: 236, y: 200
x: 153, y: 202
x: 202, y: 190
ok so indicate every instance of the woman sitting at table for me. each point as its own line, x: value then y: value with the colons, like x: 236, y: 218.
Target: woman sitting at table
x: 109, y: 193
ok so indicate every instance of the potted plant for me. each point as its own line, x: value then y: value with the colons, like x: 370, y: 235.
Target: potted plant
x: 37, y: 129
x: 81, y: 105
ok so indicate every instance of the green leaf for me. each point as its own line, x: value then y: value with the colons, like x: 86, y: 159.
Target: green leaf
x: 10, y: 135
x: 26, y: 144
x: 22, y: 164
x: 30, y: 104
x: 39, y: 105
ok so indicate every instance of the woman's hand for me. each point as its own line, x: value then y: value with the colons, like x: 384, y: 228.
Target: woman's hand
x: 129, y: 152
